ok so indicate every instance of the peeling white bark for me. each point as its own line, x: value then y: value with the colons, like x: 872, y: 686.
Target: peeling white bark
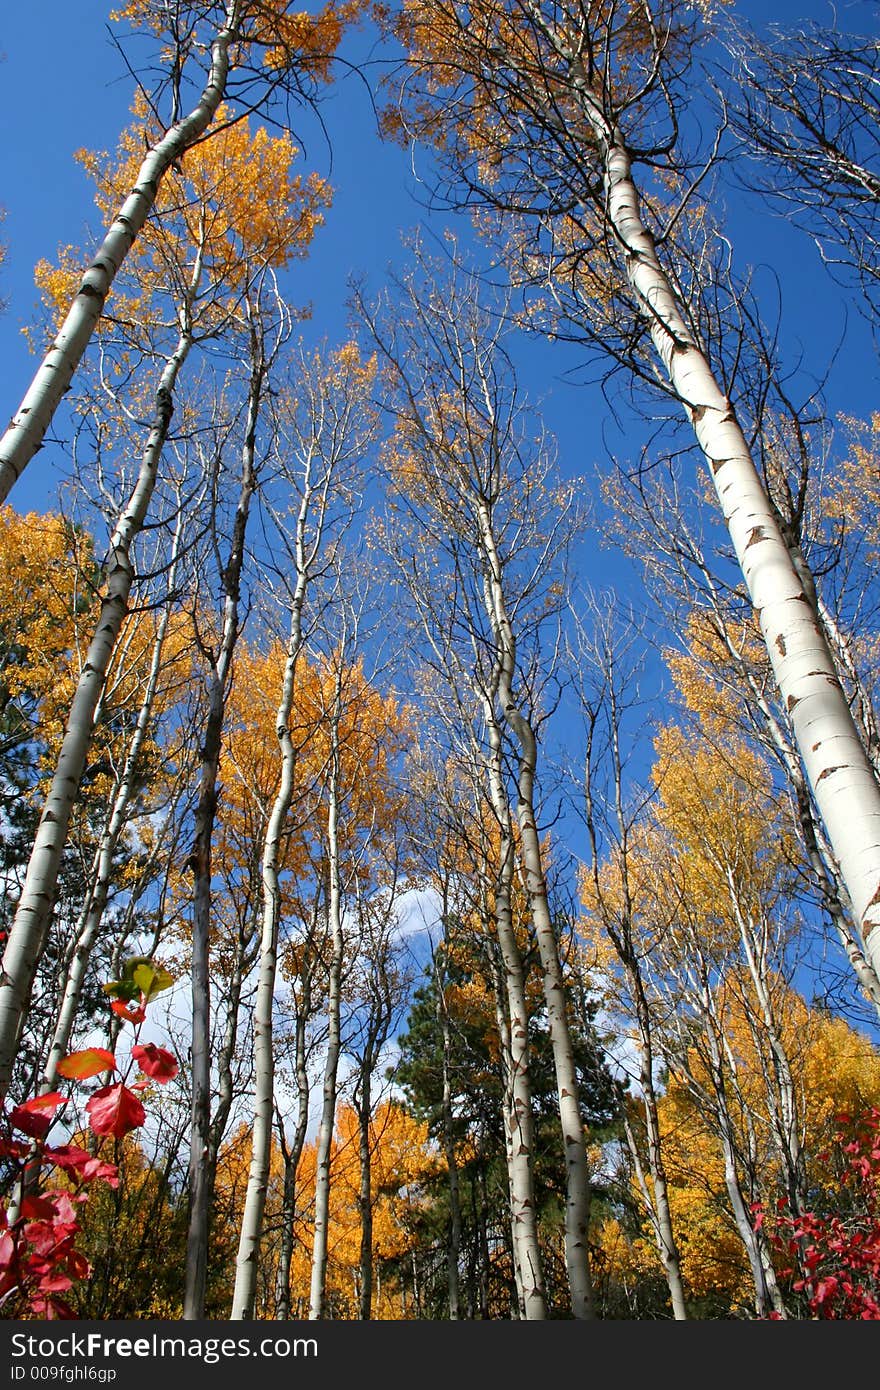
x: 838, y: 767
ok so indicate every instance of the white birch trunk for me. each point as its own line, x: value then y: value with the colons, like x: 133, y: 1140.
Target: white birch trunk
x: 838, y: 767
x: 655, y: 1195
x: 577, y: 1179
x: 198, y: 1175
x: 28, y: 427
x: 767, y: 1293
x: 35, y: 906
x: 779, y: 1082
x: 244, y: 1294
x: 818, y: 851
x: 291, y: 1166
x: 656, y: 1198
x: 365, y: 1193
x: 453, y: 1248
x: 102, y: 870
x: 518, y: 1118
x: 319, y: 462
x: 324, y: 1141
x: 714, y: 1099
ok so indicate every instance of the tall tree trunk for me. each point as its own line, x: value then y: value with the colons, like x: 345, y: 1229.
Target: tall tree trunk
x: 657, y: 1196
x: 837, y: 764
x: 264, y: 1080
x: 817, y: 848
x: 518, y: 1116
x: 292, y: 1157
x: 28, y: 427
x: 768, y: 1295
x: 201, y: 858
x: 227, y: 1055
x: 30, y: 927
x: 365, y: 1194
x: 324, y: 1142
x: 577, y: 1178
x: 453, y: 1244
x: 92, y: 914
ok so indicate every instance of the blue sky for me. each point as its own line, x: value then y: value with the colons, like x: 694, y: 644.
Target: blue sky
x: 63, y: 86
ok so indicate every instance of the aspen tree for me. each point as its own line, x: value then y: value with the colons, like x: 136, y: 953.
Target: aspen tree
x: 248, y: 50
x: 91, y: 916
x: 605, y: 677
x: 546, y: 112
x: 709, y: 895
x: 359, y: 735
x: 723, y: 670
x: 328, y: 429
x: 380, y: 985
x: 211, y: 250
x: 462, y: 467
x: 265, y: 328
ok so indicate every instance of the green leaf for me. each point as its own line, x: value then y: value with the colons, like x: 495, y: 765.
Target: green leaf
x: 126, y: 990
x: 140, y: 976
x: 152, y: 979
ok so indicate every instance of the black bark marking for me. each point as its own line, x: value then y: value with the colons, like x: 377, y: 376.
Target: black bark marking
x: 791, y: 702
x: 780, y: 643
x: 866, y: 926
x: 756, y: 535
x: 829, y: 771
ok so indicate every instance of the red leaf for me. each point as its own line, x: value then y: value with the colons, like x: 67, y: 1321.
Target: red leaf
x: 39, y: 1207
x: 67, y: 1156
x: 12, y: 1148
x: 79, y: 1066
x: 78, y: 1266
x: 64, y: 1208
x: 135, y: 1015
x: 115, y: 1110
x: 7, y: 1250
x: 55, y: 1283
x: 156, y: 1062
x: 107, y: 1172
x: 74, y: 1160
x: 34, y: 1117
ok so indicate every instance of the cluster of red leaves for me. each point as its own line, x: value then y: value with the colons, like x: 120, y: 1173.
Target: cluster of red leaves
x: 39, y: 1261
x: 832, y: 1259
x: 38, y: 1257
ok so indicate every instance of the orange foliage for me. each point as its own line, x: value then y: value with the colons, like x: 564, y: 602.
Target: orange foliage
x: 402, y: 1158
x: 230, y: 207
